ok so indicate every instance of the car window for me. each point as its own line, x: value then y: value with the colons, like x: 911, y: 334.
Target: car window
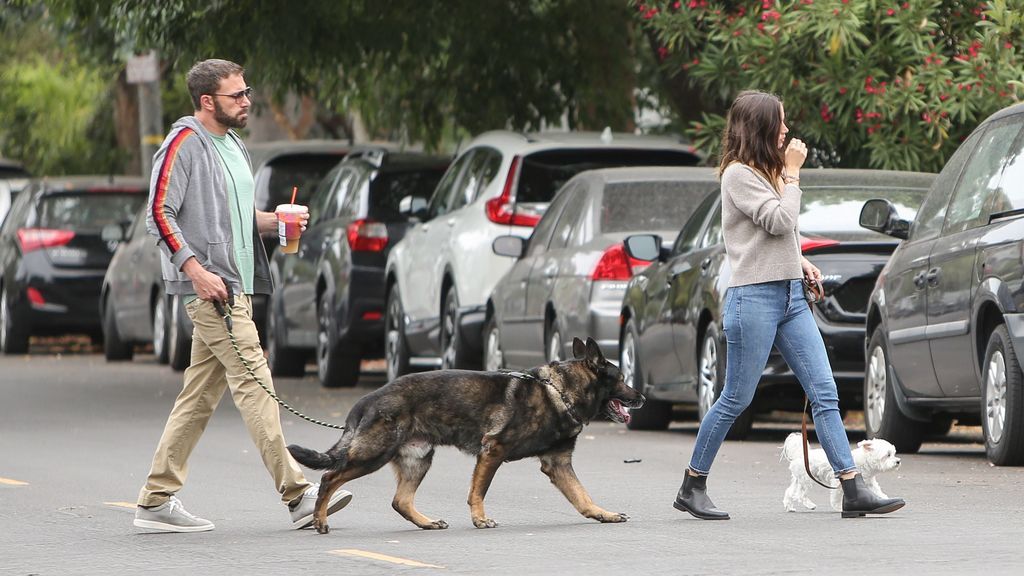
x: 1010, y: 193
x: 302, y: 171
x: 16, y: 215
x: 351, y: 207
x: 86, y: 211
x: 441, y: 200
x: 833, y: 211
x: 980, y: 177
x: 574, y: 206
x: 688, y: 236
x: 542, y: 233
x: 713, y: 235
x: 644, y: 206
x: 479, y: 173
x: 319, y: 201
x: 932, y: 212
x: 388, y: 189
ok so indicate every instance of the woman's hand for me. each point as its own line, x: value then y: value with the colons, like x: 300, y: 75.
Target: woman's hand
x: 810, y: 270
x: 796, y: 153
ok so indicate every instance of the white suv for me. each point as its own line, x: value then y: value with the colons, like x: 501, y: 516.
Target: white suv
x: 440, y: 275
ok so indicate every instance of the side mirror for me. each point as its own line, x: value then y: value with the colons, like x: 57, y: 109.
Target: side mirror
x: 644, y: 247
x: 879, y: 215
x: 414, y: 206
x: 511, y: 246
x: 112, y: 233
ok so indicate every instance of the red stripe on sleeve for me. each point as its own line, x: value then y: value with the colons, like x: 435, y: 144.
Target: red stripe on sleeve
x: 162, y: 183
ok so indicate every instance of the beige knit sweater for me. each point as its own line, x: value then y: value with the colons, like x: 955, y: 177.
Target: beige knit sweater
x: 759, y: 227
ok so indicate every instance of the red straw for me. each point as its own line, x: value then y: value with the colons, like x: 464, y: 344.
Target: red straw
x: 294, y: 190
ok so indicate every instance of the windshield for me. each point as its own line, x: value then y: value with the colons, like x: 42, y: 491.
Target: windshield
x: 87, y: 211
x: 388, y: 189
x: 643, y: 206
x: 834, y: 211
x: 285, y: 172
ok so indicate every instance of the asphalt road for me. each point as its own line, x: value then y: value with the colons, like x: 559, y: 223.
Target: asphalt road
x: 77, y: 435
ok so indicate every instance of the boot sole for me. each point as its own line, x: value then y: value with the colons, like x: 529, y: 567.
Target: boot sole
x: 682, y: 508
x: 165, y: 527
x: 882, y: 510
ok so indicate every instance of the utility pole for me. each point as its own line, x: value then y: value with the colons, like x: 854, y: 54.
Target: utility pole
x: 144, y: 71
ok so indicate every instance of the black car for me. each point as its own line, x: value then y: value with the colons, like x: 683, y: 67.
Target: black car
x: 134, y: 308
x: 55, y: 245
x: 329, y: 297
x: 671, y: 344
x: 945, y: 322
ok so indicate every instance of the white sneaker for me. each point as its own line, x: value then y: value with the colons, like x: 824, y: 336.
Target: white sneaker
x: 302, y: 511
x: 170, y: 516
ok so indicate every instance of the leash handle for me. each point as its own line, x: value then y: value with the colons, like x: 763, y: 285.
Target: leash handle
x: 807, y: 459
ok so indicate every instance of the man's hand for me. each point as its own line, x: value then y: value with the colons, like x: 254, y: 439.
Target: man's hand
x: 208, y: 286
x: 266, y: 222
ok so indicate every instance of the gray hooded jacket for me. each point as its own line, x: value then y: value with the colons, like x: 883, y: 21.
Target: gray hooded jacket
x: 189, y: 212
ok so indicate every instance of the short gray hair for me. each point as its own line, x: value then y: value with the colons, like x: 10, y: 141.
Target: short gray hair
x: 205, y: 77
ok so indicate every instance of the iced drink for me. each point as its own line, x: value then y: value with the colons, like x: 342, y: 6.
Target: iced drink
x: 289, y: 226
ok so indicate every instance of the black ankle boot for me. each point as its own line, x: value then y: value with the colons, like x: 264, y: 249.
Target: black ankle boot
x: 858, y: 500
x: 693, y: 498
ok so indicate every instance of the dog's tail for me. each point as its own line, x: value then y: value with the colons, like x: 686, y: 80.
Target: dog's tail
x: 312, y: 458
x: 791, y: 450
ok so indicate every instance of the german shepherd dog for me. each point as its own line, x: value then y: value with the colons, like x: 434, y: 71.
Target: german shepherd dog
x: 496, y: 416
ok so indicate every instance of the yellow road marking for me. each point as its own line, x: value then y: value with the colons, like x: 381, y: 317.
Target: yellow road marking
x: 382, y: 558
x: 11, y: 482
x: 122, y: 504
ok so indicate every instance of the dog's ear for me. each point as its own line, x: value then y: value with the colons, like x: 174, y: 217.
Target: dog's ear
x: 594, y: 352
x: 579, y: 349
x: 865, y: 444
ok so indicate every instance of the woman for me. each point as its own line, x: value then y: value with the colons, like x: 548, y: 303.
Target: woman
x: 765, y: 302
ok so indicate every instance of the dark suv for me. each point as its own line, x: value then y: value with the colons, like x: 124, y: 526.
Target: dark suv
x: 945, y: 326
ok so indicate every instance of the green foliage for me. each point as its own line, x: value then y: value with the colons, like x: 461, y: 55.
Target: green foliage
x: 886, y: 84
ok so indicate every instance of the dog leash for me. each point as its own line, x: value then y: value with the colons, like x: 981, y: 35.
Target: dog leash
x: 576, y: 420
x: 229, y: 325
x: 807, y: 460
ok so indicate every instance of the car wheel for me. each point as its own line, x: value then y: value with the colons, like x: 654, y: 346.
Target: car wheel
x: 553, y: 351
x: 13, y: 338
x: 711, y: 382
x: 161, y: 334
x: 114, y: 348
x: 454, y: 353
x: 655, y: 414
x: 493, y: 358
x: 396, y: 351
x: 1002, y: 404
x: 882, y: 417
x: 179, y: 338
x: 336, y: 367
x: 283, y: 361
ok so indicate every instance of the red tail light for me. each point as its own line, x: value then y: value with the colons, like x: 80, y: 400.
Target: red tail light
x: 501, y: 210
x: 372, y: 315
x: 36, y: 238
x: 615, y: 264
x: 367, y: 236
x: 35, y: 297
x: 811, y: 244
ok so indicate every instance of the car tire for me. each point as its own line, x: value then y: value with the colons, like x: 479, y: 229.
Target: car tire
x: 114, y: 348
x: 1002, y: 401
x: 454, y: 352
x: 553, y: 347
x: 179, y: 337
x: 494, y: 360
x: 655, y: 414
x: 13, y: 336
x: 282, y: 360
x: 882, y: 416
x: 337, y: 366
x: 396, y: 350
x: 711, y: 382
x: 161, y: 325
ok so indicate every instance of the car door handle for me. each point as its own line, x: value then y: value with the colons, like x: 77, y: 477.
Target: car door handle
x: 705, y: 264
x: 933, y: 276
x: 919, y: 280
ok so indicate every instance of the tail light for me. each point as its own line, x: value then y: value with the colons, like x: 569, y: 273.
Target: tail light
x: 809, y: 244
x: 36, y: 238
x: 373, y: 315
x: 367, y: 236
x: 501, y: 210
x: 615, y: 264
x: 35, y: 297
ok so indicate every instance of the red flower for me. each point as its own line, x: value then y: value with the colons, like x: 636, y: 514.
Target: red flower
x: 890, y: 12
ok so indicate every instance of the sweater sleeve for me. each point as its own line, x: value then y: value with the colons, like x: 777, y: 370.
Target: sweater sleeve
x: 168, y: 185
x: 753, y: 196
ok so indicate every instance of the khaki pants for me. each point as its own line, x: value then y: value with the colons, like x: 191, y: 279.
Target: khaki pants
x: 215, y: 367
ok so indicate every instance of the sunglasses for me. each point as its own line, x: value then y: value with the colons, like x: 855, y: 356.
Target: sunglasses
x: 247, y: 93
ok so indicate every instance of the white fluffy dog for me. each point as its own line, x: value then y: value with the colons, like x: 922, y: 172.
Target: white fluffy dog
x: 870, y: 456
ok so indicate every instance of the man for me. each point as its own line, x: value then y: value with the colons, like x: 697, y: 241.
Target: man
x: 202, y: 210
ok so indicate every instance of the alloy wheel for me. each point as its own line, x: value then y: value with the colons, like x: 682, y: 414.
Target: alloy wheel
x: 555, y: 346
x: 392, y: 338
x: 627, y: 360
x: 448, y: 327
x: 877, y: 377
x: 708, y: 377
x: 160, y: 326
x: 995, y: 395
x: 4, y: 320
x: 492, y: 350
x: 323, y: 339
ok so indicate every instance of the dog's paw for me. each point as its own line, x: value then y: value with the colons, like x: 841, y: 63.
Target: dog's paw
x: 322, y: 528
x: 611, y: 517
x: 435, y: 525
x: 484, y: 523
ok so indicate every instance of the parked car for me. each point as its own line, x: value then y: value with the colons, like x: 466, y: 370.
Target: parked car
x: 54, y: 249
x: 330, y: 295
x: 570, y: 276
x: 945, y: 321
x: 9, y: 188
x: 134, y: 307
x: 671, y: 341
x: 439, y: 277
x: 12, y: 169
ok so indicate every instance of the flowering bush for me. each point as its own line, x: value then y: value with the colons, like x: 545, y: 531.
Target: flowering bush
x: 881, y: 83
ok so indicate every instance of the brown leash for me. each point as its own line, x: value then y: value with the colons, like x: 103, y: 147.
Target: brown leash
x: 807, y: 461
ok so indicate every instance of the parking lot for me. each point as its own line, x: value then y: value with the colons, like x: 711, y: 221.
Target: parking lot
x: 77, y: 434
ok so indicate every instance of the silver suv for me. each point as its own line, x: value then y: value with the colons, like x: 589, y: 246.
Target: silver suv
x: 438, y: 278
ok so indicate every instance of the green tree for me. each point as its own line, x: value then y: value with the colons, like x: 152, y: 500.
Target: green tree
x: 881, y: 83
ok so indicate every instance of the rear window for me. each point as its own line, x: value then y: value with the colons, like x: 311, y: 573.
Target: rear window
x: 388, y: 189
x: 642, y: 206
x: 543, y: 173
x: 285, y: 172
x: 13, y: 172
x: 835, y: 211
x: 87, y: 211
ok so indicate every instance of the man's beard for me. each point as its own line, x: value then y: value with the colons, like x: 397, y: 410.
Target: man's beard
x: 231, y: 122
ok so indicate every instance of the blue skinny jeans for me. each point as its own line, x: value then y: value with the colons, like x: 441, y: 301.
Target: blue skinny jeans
x: 758, y: 316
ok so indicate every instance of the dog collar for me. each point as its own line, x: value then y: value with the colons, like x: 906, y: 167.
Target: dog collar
x: 570, y: 410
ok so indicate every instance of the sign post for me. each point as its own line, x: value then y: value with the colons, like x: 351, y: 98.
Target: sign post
x: 144, y: 71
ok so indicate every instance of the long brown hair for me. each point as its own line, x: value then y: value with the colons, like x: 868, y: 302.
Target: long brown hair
x: 752, y: 134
